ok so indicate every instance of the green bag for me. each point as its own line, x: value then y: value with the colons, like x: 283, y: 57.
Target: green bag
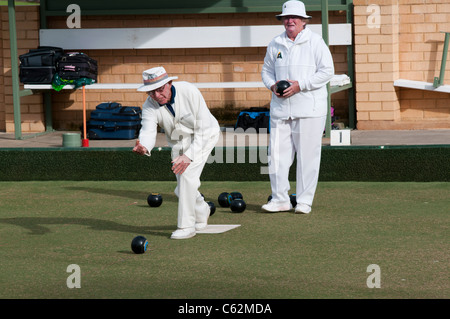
x: 58, y: 83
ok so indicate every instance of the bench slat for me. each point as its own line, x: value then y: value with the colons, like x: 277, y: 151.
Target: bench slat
x: 179, y: 37
x: 419, y: 85
x: 200, y: 85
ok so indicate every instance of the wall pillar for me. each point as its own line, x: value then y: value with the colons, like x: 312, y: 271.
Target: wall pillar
x: 376, y: 63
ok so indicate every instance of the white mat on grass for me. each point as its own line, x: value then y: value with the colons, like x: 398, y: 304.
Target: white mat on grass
x: 216, y: 229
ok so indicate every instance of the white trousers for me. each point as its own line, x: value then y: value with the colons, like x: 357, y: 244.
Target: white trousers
x: 192, y: 208
x: 301, y: 136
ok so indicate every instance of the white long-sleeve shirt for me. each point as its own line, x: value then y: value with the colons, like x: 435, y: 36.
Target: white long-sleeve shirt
x: 307, y: 60
x: 186, y: 133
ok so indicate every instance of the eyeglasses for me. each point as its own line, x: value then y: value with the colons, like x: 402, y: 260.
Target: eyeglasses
x: 159, y: 90
x: 291, y: 17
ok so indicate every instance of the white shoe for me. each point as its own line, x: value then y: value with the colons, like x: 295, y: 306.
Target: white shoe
x: 276, y: 207
x: 200, y: 226
x: 302, y: 209
x: 183, y: 233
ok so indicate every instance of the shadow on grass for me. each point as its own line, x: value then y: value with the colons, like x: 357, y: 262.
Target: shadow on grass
x: 137, y: 195
x: 36, y: 225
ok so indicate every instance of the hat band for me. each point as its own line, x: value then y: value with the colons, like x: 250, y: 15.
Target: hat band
x: 156, y: 80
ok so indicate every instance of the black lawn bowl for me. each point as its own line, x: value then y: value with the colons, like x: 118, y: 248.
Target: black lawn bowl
x: 139, y: 244
x: 281, y: 86
x: 212, y: 208
x: 234, y: 195
x: 293, y: 198
x: 154, y: 200
x: 238, y: 205
x: 223, y: 199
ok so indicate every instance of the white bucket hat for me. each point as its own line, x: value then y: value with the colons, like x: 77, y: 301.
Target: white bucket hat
x: 155, y: 78
x: 293, y: 8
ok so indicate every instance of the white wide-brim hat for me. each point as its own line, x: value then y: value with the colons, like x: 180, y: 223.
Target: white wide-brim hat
x: 293, y: 8
x: 155, y: 78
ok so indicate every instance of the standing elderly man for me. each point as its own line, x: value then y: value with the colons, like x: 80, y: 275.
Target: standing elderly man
x: 297, y: 117
x: 191, y: 131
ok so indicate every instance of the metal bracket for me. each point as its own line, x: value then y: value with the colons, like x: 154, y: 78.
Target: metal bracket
x: 438, y: 81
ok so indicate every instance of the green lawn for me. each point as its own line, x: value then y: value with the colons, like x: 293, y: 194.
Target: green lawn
x: 47, y: 226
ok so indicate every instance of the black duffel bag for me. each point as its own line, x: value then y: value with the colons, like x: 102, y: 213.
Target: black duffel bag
x: 254, y: 117
x: 38, y: 66
x: 77, y: 65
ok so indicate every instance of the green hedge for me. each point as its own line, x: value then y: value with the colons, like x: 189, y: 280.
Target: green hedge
x: 348, y: 163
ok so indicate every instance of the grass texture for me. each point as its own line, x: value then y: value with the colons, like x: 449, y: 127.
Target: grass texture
x: 47, y: 226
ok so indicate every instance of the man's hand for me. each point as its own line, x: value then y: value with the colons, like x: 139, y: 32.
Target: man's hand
x: 180, y: 163
x: 294, y: 88
x: 140, y: 149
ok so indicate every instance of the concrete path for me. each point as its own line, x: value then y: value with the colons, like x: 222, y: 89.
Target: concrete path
x: 230, y: 138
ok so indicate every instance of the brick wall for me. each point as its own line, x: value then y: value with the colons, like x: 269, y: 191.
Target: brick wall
x: 126, y: 66
x: 421, y: 56
x: 32, y: 114
x: 408, y: 45
x: 2, y: 91
x: 193, y: 65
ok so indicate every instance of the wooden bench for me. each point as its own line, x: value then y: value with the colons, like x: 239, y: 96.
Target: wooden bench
x: 201, y: 85
x: 175, y: 38
x: 172, y: 38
